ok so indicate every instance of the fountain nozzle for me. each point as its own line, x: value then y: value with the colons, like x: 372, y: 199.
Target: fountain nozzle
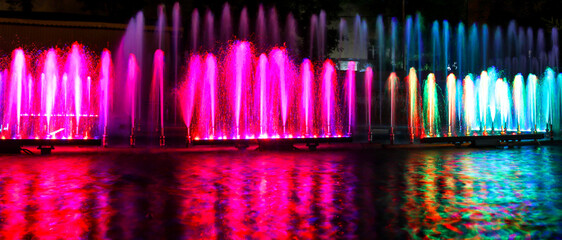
x: 132, y: 137
x: 104, y: 137
x: 162, y: 141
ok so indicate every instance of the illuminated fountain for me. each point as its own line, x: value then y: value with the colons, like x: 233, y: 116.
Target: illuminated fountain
x: 519, y: 101
x: 469, y: 104
x: 368, y: 99
x: 63, y: 95
x: 233, y: 89
x: 257, y: 87
x: 413, y: 108
x: 157, y: 95
x: 392, y: 88
x: 431, y: 106
x: 249, y: 96
x: 483, y: 100
x: 479, y: 82
x: 514, y: 107
x: 307, y: 77
x: 451, y: 104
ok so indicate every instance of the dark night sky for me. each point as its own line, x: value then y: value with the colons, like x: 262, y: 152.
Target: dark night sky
x: 535, y: 13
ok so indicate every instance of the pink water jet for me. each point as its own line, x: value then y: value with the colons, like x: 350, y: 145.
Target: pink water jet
x: 187, y: 90
x: 261, y: 76
x: 413, y: 116
x: 328, y: 78
x: 211, y: 86
x: 368, y: 98
x: 17, y: 78
x: 469, y: 103
x: 451, y: 103
x: 76, y: 64
x: 239, y: 63
x: 49, y: 78
x: 280, y: 71
x: 132, y: 79
x: 244, y: 96
x: 350, y: 82
x: 47, y: 97
x: 106, y: 79
x: 307, y: 78
x: 392, y: 88
x: 158, y: 92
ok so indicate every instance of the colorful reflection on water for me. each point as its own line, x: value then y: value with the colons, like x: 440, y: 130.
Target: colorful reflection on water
x: 131, y: 194
x: 498, y: 194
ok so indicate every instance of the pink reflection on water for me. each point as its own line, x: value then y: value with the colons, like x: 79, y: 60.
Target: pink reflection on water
x: 203, y: 196
x: 14, y: 196
x: 266, y: 196
x: 197, y: 212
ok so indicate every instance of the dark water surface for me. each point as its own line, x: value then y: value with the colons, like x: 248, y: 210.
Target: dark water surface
x: 329, y: 194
